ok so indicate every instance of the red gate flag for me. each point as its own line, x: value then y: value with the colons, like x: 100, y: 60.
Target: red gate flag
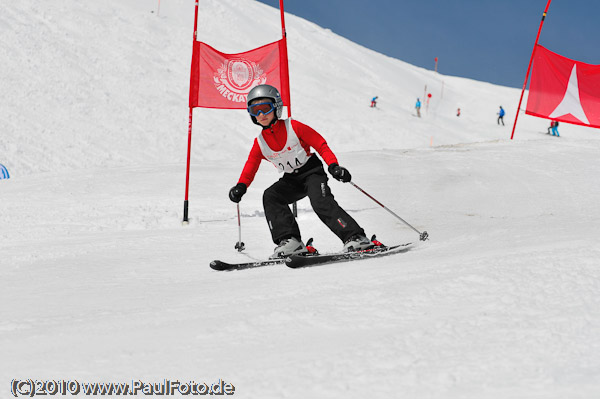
x: 564, y: 90
x: 220, y: 80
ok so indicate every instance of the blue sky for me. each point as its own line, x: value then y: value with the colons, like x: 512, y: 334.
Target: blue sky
x: 479, y: 39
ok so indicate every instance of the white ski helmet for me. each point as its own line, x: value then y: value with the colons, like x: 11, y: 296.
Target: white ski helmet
x: 266, y: 91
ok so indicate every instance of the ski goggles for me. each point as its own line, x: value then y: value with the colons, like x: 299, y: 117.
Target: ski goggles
x: 264, y: 108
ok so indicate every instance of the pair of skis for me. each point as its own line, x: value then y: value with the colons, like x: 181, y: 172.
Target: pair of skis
x: 308, y: 260
x: 314, y: 258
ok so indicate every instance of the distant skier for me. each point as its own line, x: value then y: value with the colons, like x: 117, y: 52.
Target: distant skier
x: 286, y: 144
x: 374, y: 102
x: 554, y: 128
x: 501, y: 115
x: 458, y: 112
x: 418, y: 107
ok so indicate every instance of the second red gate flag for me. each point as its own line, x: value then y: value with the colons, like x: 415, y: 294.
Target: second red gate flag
x: 563, y: 89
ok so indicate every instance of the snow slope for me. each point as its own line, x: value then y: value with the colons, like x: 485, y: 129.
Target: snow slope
x: 100, y: 282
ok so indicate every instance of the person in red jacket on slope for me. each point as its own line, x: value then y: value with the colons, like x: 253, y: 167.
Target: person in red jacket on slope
x: 286, y: 144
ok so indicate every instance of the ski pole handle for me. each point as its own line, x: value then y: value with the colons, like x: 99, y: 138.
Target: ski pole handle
x: 422, y: 236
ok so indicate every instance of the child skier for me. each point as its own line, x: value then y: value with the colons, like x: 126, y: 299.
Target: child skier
x: 286, y: 144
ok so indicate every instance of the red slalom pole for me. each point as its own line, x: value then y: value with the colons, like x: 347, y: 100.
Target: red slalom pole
x: 529, y: 67
x: 187, y: 170
x: 286, y: 77
x: 285, y: 56
x: 189, y: 149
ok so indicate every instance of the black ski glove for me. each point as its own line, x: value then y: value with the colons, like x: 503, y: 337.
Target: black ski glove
x: 339, y: 173
x: 236, y: 192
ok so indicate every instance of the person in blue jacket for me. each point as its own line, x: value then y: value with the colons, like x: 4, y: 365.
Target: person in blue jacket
x: 555, y: 129
x: 418, y: 107
x: 374, y: 102
x: 501, y: 115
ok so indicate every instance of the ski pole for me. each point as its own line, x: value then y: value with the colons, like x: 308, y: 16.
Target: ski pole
x: 422, y: 236
x: 239, y: 245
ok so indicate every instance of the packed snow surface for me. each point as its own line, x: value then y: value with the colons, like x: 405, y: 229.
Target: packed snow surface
x: 100, y: 281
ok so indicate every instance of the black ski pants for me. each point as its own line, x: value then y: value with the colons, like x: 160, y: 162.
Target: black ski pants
x: 311, y: 183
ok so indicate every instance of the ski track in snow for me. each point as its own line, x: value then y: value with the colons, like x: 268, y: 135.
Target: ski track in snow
x: 99, y: 281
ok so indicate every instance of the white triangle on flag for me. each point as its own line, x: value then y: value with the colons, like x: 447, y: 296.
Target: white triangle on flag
x: 571, y: 103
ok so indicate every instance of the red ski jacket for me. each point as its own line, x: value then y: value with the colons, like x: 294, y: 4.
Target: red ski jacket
x: 276, y: 137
